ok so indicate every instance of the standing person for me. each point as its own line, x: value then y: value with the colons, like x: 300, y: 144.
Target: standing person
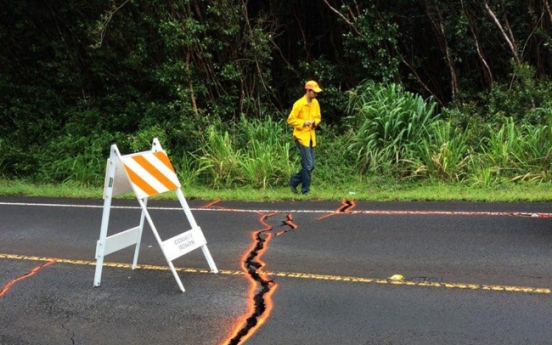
x: 304, y: 118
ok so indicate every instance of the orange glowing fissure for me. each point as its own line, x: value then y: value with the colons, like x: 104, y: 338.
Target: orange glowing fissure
x: 289, y: 222
x: 32, y: 272
x: 261, y: 286
x: 346, y: 207
x: 211, y: 204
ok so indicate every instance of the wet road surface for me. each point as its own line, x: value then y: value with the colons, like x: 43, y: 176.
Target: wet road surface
x: 465, y: 273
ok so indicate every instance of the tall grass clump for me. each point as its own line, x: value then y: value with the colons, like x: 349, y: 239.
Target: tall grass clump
x: 335, y: 165
x: 442, y: 153
x: 267, y: 144
x: 496, y: 159
x: 75, y: 160
x: 218, y: 159
x: 514, y: 152
x: 256, y: 152
x: 382, y: 120
x: 4, y: 159
x: 536, y: 153
x: 187, y: 169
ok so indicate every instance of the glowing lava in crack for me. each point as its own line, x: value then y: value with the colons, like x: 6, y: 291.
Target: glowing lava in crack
x: 346, y: 207
x: 288, y: 222
x: 212, y: 204
x: 32, y: 272
x: 262, y: 287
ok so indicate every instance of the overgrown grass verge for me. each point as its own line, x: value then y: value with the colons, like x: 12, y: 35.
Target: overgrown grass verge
x: 375, y: 190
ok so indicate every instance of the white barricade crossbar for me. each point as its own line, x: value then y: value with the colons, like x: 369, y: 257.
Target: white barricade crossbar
x: 146, y: 174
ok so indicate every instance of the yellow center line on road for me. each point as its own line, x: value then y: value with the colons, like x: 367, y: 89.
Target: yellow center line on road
x: 310, y: 276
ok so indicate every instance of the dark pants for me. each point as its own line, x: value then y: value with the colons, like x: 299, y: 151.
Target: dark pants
x: 303, y: 177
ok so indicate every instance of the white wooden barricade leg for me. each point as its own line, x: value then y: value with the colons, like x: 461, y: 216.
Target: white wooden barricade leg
x: 194, y: 225
x: 109, y: 244
x: 160, y: 241
x: 141, y: 227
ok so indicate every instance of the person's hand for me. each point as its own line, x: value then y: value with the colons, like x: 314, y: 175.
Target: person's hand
x: 308, y: 123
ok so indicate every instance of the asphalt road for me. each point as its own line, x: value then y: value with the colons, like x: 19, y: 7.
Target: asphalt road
x: 465, y: 273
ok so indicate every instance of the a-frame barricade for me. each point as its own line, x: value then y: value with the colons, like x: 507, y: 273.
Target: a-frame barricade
x: 146, y: 174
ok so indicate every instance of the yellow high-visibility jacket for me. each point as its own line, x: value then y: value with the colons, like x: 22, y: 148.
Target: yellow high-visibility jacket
x: 303, y: 111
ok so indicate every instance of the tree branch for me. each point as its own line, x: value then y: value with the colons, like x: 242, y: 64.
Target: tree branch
x: 421, y: 82
x: 352, y: 25
x: 108, y: 17
x: 190, y: 84
x: 509, y: 40
x: 487, y: 69
x: 548, y: 9
x: 439, y: 29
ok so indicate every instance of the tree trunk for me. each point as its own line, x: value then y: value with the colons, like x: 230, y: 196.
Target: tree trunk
x: 508, y: 36
x: 439, y: 29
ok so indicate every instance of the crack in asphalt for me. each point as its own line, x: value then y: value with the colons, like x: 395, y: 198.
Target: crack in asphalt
x: 32, y: 272
x: 346, y: 207
x: 68, y: 330
x: 288, y: 222
x: 261, y: 300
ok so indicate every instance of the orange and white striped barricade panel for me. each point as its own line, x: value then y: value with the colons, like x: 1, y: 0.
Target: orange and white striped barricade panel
x: 150, y: 173
x: 146, y: 174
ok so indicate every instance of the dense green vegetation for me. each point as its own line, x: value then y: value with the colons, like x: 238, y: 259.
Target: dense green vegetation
x: 416, y: 92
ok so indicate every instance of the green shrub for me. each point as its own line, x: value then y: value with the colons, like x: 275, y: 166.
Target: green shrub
x: 219, y: 160
x: 77, y: 160
x: 382, y: 121
x: 442, y: 153
x: 514, y: 152
x: 255, y: 152
x: 267, y: 145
